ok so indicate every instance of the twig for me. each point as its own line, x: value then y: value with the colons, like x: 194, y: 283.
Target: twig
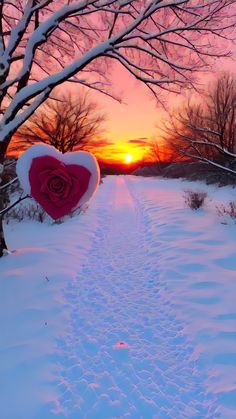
x: 8, y: 183
x: 5, y: 210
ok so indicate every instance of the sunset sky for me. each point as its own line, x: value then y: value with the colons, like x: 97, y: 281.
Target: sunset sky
x: 130, y: 126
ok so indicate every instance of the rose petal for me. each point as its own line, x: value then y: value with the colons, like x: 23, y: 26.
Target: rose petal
x: 75, y: 186
x: 42, y: 170
x: 62, y: 173
x: 44, y: 174
x: 56, y: 184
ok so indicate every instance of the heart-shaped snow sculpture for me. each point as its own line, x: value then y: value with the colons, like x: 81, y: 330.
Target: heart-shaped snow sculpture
x: 58, y: 182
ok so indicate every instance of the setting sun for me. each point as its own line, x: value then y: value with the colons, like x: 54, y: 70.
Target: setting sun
x: 128, y: 158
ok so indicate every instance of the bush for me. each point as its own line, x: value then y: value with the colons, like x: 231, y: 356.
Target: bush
x: 194, y: 199
x: 7, y: 176
x: 5, y: 191
x: 33, y: 211
x: 4, y: 198
x: 229, y: 210
x: 29, y: 211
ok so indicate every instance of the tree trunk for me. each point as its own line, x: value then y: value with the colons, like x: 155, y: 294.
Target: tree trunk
x: 3, y: 149
x: 3, y: 245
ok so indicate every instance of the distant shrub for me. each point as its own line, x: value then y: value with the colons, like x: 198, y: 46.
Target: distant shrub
x: 194, y: 199
x: 229, y: 210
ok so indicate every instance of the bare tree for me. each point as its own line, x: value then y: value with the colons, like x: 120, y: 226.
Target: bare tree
x: 206, y: 130
x: 156, y: 151
x: 222, y: 113
x: 46, y: 42
x: 161, y: 153
x: 67, y: 123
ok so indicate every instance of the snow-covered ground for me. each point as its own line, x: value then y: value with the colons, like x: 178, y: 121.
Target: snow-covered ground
x: 125, y: 311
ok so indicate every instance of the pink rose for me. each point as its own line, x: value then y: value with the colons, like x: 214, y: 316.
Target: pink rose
x: 56, y: 186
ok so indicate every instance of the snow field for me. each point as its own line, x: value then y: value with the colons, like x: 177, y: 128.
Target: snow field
x: 124, y: 311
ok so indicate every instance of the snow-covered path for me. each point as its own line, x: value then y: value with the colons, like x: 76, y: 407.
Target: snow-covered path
x: 129, y: 358
x: 126, y: 348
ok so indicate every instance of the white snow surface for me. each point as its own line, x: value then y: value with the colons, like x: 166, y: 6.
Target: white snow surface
x: 124, y: 311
